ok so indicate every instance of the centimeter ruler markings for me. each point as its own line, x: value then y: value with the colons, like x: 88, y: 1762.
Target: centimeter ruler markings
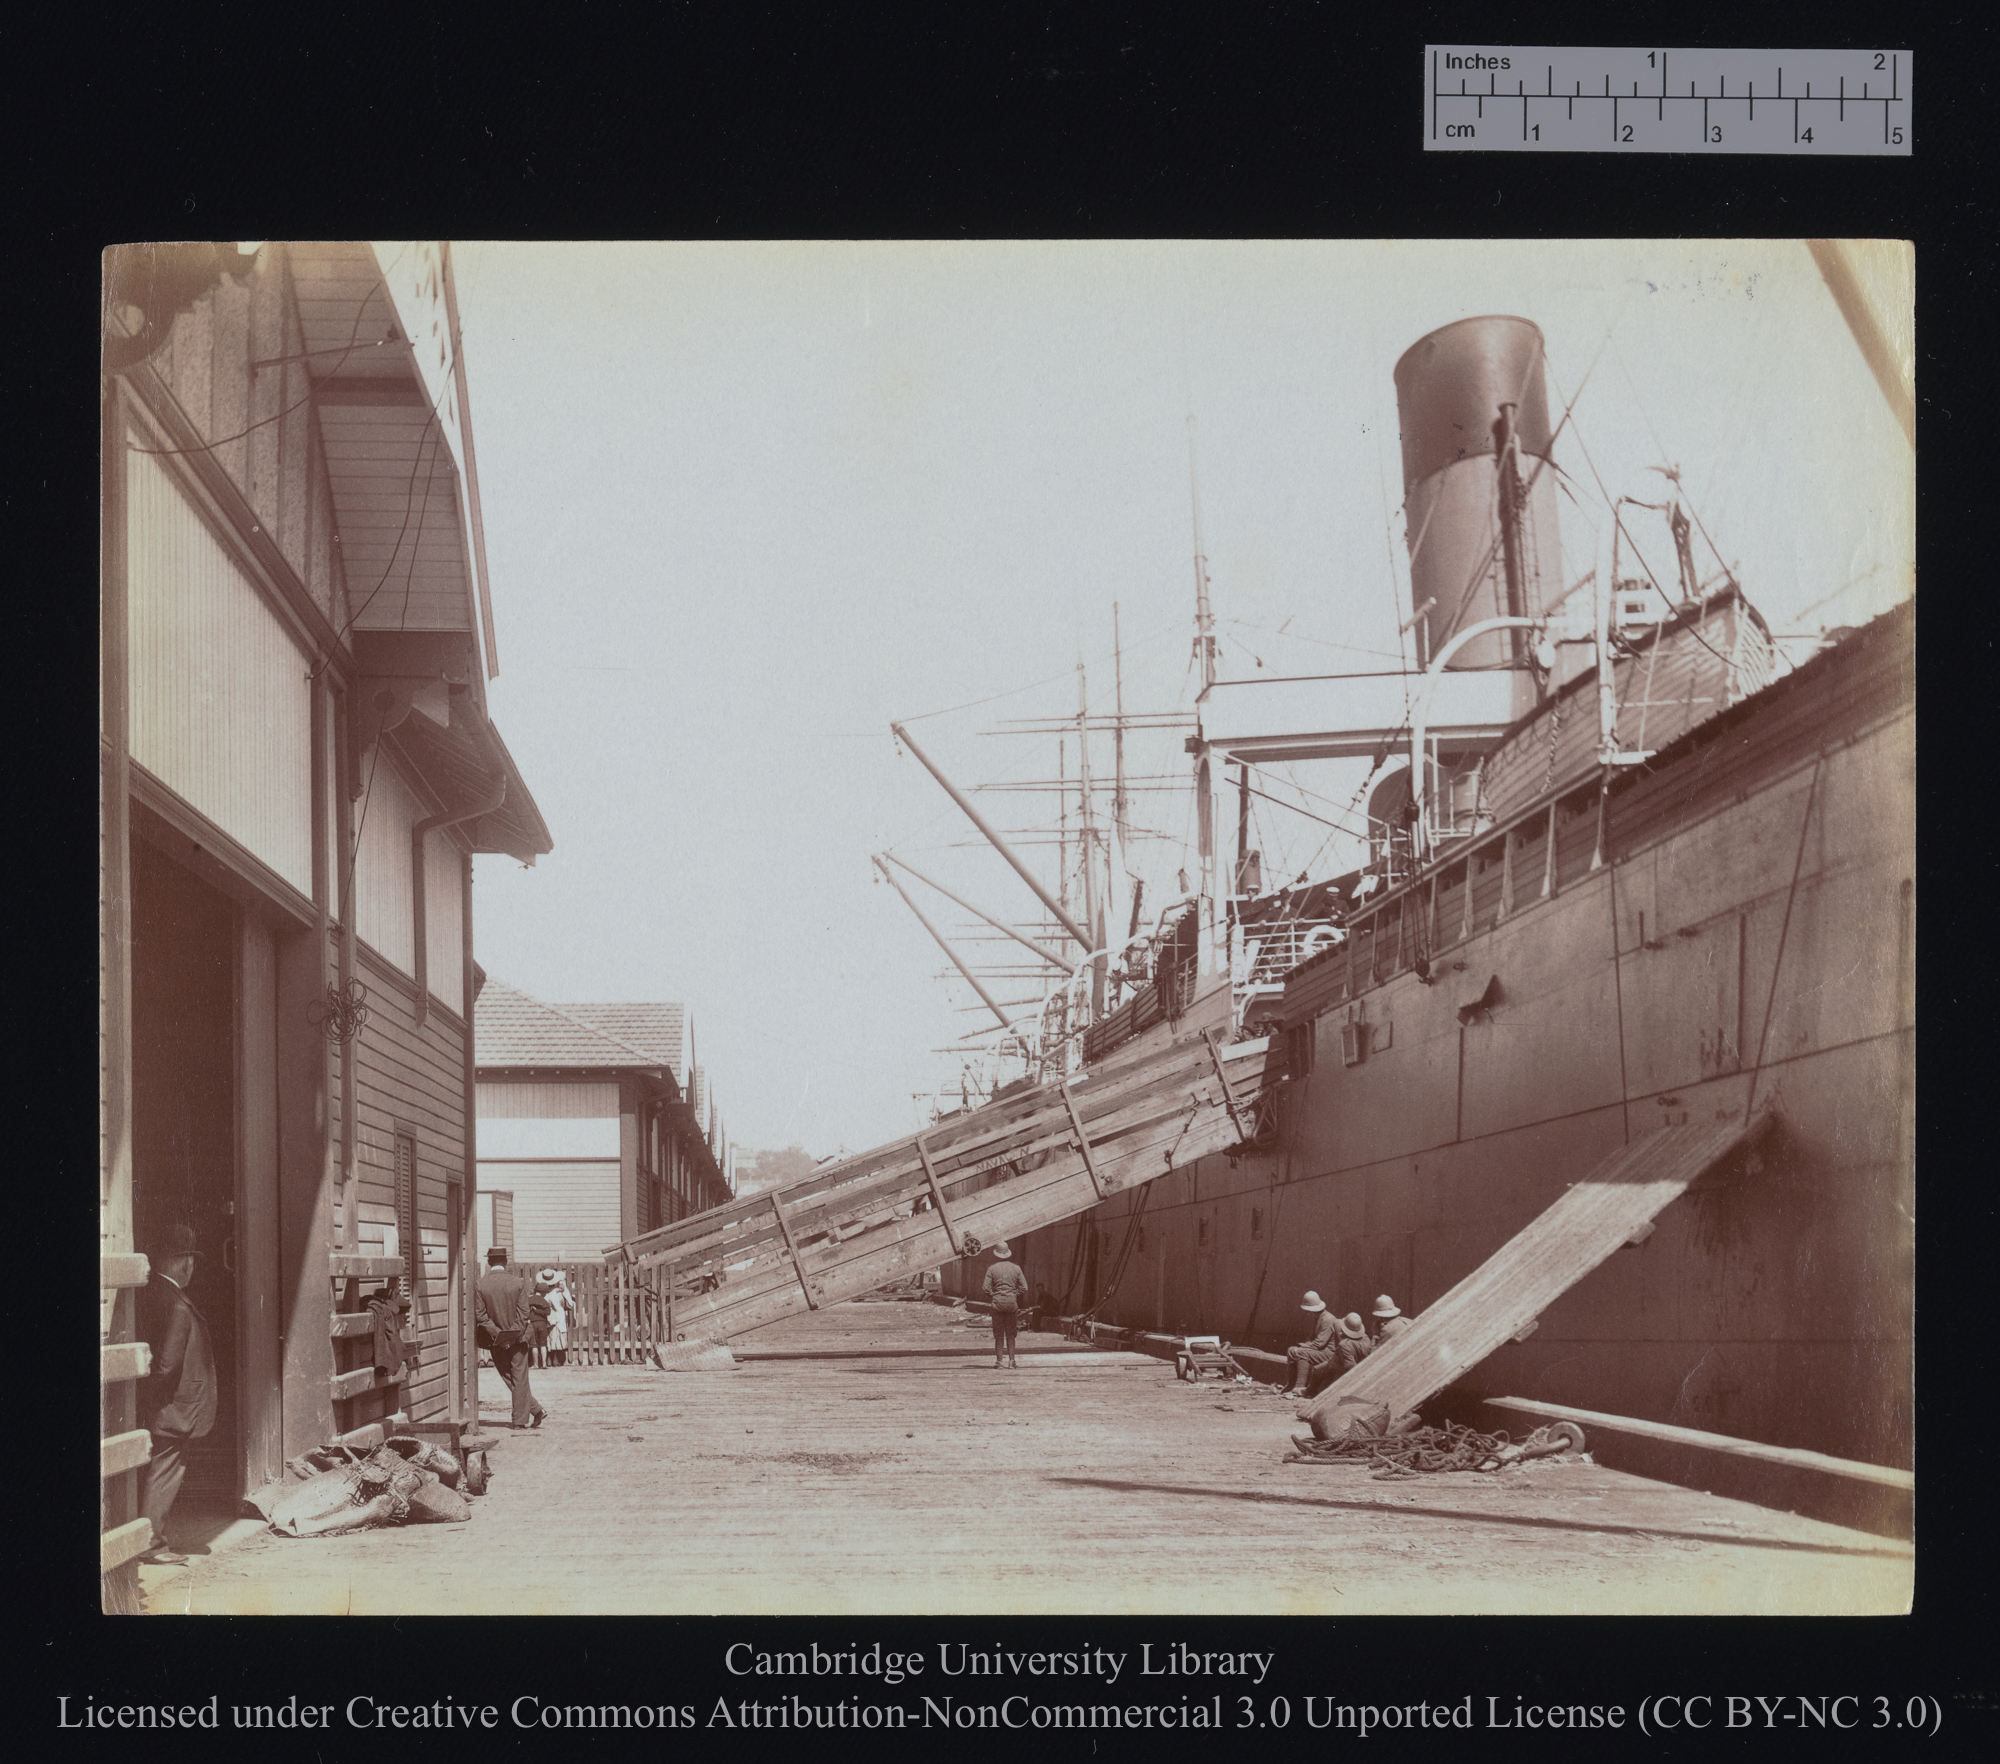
x: 1481, y: 99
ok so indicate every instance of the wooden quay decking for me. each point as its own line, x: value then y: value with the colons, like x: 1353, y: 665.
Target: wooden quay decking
x: 868, y: 1457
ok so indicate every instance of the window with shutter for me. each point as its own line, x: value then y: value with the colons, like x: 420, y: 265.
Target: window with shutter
x: 406, y: 1209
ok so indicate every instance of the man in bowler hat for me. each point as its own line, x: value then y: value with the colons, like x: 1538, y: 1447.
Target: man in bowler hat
x: 177, y: 1401
x: 505, y: 1304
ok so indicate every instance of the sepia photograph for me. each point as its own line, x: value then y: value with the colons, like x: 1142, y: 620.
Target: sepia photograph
x: 1066, y: 928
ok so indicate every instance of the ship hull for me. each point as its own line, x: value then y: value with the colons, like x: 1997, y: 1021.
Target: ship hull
x: 1737, y: 930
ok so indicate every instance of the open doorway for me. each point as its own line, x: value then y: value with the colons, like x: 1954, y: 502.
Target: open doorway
x: 184, y: 1153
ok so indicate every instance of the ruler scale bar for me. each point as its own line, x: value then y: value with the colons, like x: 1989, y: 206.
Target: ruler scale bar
x: 1628, y: 100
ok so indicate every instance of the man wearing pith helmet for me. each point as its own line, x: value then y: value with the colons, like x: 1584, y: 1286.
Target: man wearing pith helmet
x: 1307, y: 1357
x: 1006, y: 1281
x: 1389, y: 1319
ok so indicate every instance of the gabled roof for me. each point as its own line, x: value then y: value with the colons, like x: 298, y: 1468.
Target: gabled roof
x: 512, y: 1029
x: 657, y: 1030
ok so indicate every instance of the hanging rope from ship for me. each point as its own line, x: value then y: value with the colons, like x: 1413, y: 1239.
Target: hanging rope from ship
x: 1077, y: 1328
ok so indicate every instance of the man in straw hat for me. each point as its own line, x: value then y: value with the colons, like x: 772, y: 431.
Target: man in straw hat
x: 1307, y: 1357
x: 1006, y: 1281
x: 1390, y: 1321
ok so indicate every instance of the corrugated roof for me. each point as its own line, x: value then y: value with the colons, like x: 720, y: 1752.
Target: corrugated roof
x: 512, y: 1029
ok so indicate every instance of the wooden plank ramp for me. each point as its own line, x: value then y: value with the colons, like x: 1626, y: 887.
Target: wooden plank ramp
x: 1500, y: 1300
x: 975, y: 1179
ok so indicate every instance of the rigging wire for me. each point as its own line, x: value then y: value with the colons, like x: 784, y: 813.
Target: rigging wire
x: 1619, y: 524
x: 1382, y: 481
x: 1068, y: 673
x: 1671, y: 473
x: 1631, y: 386
x: 1485, y: 564
x: 1322, y: 642
x: 409, y: 502
x: 1264, y: 771
x: 311, y: 389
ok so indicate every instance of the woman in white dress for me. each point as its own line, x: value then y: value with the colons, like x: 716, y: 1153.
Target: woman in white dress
x: 554, y: 1287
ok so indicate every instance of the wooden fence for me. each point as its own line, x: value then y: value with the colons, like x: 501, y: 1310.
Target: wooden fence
x: 621, y: 1313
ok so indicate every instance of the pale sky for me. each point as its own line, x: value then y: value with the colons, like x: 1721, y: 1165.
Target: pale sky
x: 745, y: 504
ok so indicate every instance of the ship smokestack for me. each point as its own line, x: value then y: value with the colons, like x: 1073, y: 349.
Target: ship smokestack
x: 1483, y: 540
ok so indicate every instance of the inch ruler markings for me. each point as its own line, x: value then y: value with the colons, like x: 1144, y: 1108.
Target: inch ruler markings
x: 1483, y: 99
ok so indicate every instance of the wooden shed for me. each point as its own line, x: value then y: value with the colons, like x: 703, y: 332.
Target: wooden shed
x: 296, y: 766
x: 594, y: 1119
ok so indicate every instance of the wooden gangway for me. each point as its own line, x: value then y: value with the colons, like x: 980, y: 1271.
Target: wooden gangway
x: 975, y: 1179
x: 1612, y: 1205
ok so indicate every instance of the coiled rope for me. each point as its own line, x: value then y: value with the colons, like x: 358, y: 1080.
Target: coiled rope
x: 1422, y: 1451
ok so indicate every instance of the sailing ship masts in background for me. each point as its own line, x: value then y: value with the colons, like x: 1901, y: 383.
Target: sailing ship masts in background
x: 1062, y: 834
x: 1042, y: 950
x: 1000, y: 845
x: 972, y: 979
x: 1120, y: 802
x: 1204, y: 618
x: 1093, y: 913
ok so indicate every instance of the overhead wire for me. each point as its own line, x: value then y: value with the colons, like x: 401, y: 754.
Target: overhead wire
x: 311, y: 389
x: 1321, y: 642
x: 1618, y: 522
x: 1672, y: 473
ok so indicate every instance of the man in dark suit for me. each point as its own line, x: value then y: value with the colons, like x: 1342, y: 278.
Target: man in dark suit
x: 507, y: 1325
x: 177, y: 1401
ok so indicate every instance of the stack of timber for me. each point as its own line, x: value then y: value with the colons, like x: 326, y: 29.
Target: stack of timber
x: 974, y: 1180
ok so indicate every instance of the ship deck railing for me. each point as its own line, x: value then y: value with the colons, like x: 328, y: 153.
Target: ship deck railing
x: 1271, y: 951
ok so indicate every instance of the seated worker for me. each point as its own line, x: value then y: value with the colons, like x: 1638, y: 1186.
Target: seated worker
x: 1393, y: 1322
x: 1353, y: 1346
x: 1308, y: 1356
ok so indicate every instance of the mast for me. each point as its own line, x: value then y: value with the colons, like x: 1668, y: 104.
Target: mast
x: 1204, y: 620
x: 1506, y: 464
x: 1214, y: 956
x: 1120, y: 805
x: 992, y: 838
x: 1092, y: 911
x: 1242, y: 826
x: 1062, y: 830
x: 938, y: 937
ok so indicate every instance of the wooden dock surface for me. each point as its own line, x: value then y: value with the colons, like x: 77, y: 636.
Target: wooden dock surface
x: 913, y: 1477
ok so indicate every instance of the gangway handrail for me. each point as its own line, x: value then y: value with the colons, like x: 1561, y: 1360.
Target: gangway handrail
x: 1012, y: 1166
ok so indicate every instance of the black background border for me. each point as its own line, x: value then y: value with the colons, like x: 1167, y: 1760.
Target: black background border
x: 1267, y: 121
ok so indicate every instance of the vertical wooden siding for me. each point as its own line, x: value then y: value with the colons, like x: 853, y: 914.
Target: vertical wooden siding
x: 562, y: 1209
x: 444, y: 917
x: 547, y: 1102
x: 221, y: 707
x: 383, y: 910
x: 410, y: 1078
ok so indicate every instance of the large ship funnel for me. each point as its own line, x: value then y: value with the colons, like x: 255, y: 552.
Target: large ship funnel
x: 1480, y: 515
